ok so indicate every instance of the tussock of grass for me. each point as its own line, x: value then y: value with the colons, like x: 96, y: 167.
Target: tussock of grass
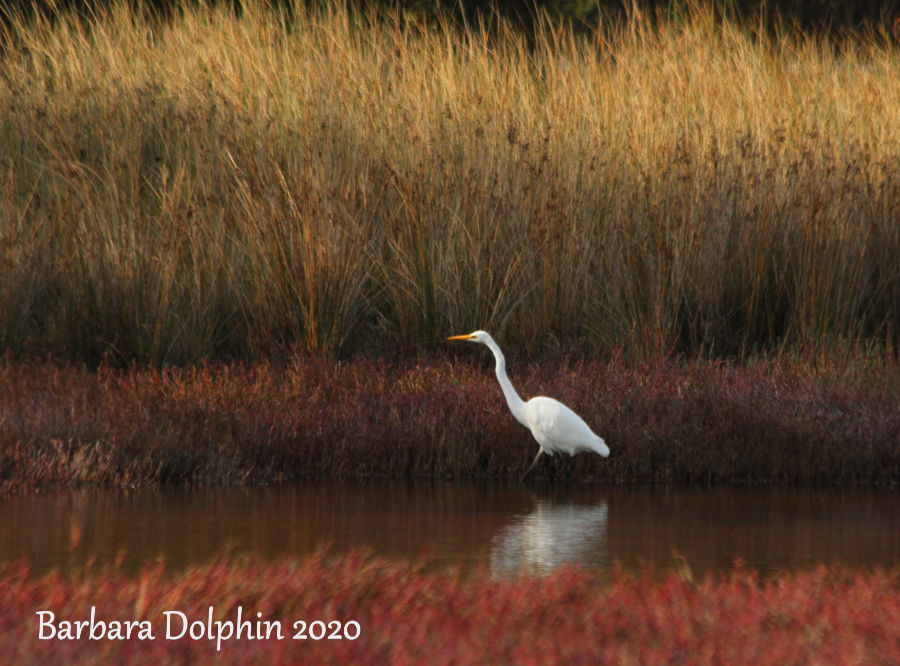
x: 215, y: 186
x: 779, y: 422
x: 404, y: 615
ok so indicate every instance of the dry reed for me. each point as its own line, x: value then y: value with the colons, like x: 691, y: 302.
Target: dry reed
x: 228, y: 187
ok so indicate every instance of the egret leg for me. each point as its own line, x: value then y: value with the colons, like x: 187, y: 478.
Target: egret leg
x: 565, y: 462
x: 528, y: 471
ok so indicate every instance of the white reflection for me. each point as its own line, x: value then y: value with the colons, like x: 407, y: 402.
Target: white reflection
x: 551, y: 536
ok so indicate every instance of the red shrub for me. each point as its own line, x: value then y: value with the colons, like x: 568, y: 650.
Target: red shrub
x: 406, y: 616
x: 231, y: 423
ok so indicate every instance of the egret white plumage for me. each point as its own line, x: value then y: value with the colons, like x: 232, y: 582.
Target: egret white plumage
x: 556, y: 428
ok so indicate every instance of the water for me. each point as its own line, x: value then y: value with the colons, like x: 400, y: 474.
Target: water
x: 503, y: 528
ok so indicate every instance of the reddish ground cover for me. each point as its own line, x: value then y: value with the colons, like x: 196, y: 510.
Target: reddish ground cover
x: 65, y: 425
x: 829, y: 616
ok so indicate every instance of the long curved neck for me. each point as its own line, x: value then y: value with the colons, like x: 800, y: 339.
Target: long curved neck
x: 516, y: 405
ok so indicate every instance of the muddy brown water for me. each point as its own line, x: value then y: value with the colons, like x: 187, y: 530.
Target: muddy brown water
x: 504, y: 528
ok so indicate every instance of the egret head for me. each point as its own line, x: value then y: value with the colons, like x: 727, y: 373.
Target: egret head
x: 477, y: 336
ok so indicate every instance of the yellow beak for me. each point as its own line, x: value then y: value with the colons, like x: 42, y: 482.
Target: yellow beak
x: 461, y: 337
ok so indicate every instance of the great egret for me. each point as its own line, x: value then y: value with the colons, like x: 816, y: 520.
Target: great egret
x: 555, y: 427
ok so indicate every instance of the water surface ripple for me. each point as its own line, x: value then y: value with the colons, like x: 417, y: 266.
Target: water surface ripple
x: 502, y: 528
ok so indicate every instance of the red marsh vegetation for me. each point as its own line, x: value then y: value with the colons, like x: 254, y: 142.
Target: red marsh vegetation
x: 219, y: 187
x: 784, y: 422
x: 826, y: 615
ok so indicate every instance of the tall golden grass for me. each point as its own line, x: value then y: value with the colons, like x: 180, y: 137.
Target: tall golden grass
x: 221, y: 186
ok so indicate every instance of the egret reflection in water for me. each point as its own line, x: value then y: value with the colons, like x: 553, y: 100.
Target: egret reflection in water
x: 553, y: 535
x: 504, y: 528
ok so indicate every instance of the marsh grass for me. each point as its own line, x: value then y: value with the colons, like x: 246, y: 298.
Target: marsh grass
x: 770, y: 422
x: 217, y: 187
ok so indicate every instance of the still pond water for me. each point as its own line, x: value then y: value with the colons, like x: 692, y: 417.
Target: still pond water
x: 502, y: 528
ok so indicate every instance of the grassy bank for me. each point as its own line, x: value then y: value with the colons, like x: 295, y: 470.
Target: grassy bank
x: 829, y: 616
x: 777, y: 422
x: 216, y: 187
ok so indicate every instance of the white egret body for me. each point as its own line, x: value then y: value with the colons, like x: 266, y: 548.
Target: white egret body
x: 555, y: 427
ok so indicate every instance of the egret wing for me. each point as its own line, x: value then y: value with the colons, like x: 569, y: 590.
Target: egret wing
x: 558, y: 428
